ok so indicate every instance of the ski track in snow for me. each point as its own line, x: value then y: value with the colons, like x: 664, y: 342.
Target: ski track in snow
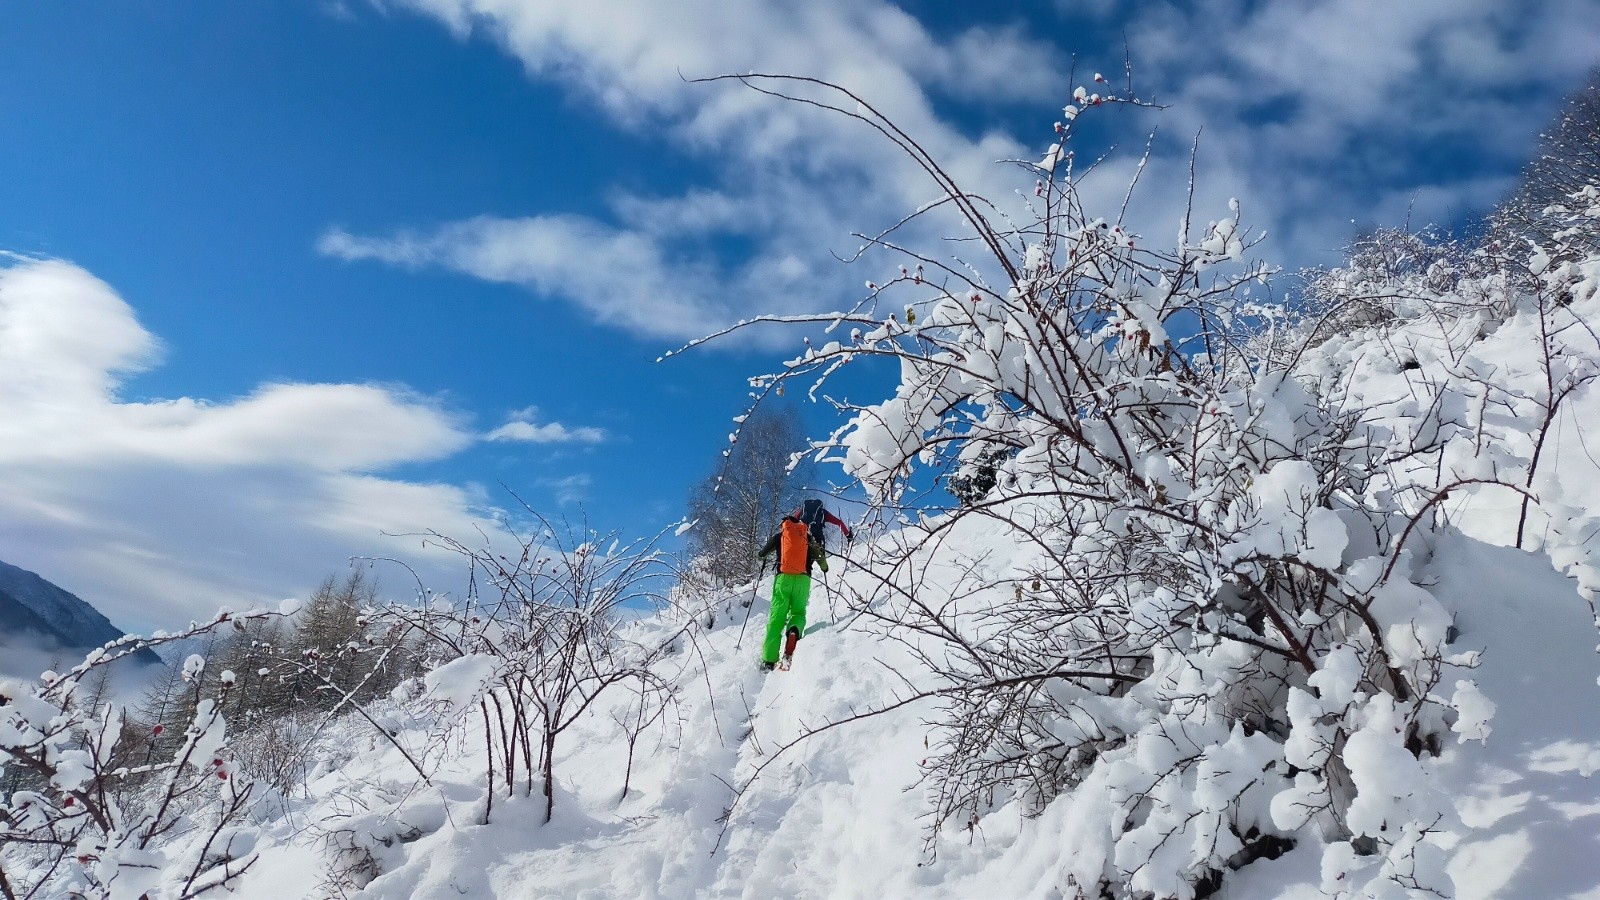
x: 838, y: 815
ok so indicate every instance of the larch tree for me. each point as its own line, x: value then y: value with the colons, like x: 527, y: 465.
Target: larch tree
x: 762, y: 476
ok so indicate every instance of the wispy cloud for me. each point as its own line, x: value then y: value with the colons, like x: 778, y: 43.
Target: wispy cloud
x: 1329, y: 115
x: 620, y: 277
x: 568, y: 490
x: 162, y: 511
x: 791, y: 182
x: 1319, y: 115
x: 336, y: 9
x: 525, y: 427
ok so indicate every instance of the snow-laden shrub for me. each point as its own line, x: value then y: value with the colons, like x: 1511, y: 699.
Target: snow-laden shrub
x: 1388, y: 276
x: 91, y: 818
x: 361, y: 845
x: 540, y: 637
x: 1221, y: 640
x: 275, y: 749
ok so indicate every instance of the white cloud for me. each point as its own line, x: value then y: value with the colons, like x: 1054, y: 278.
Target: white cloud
x: 1329, y: 110
x: 993, y: 64
x: 1318, y: 113
x: 46, y: 351
x: 622, y: 278
x: 159, y: 512
x: 337, y: 9
x: 569, y: 489
x: 631, y: 55
x: 794, y: 182
x: 523, y: 426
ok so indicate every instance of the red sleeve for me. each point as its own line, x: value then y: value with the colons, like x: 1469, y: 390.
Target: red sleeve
x: 830, y: 517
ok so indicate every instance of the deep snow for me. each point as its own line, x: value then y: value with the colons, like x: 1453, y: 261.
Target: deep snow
x: 841, y: 814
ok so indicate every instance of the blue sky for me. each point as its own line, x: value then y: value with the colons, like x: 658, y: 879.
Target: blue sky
x: 289, y: 275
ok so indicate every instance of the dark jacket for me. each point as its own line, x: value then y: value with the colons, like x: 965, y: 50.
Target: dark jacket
x: 815, y: 515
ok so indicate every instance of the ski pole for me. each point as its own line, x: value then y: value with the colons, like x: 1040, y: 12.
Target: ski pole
x: 760, y: 577
x: 828, y: 593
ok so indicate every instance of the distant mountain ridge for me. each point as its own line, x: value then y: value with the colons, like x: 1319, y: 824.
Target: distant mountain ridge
x: 29, y: 603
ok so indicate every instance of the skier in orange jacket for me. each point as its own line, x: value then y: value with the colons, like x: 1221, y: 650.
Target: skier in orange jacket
x: 791, y: 588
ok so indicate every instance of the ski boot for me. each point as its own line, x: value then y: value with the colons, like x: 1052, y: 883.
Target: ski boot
x: 790, y: 638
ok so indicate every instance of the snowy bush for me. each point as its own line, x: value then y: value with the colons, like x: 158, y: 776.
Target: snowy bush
x: 538, y: 641
x: 275, y: 749
x: 1389, y: 276
x: 96, y: 821
x: 1221, y: 640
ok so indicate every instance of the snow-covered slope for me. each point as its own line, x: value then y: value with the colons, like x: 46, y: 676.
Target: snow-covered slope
x: 842, y: 813
x: 1301, y: 621
x: 816, y: 782
x: 833, y: 817
x: 70, y: 619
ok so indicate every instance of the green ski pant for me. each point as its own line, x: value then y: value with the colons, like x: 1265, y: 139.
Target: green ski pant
x: 789, y: 596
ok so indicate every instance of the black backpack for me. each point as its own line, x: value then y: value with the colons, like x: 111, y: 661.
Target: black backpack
x: 814, y: 514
